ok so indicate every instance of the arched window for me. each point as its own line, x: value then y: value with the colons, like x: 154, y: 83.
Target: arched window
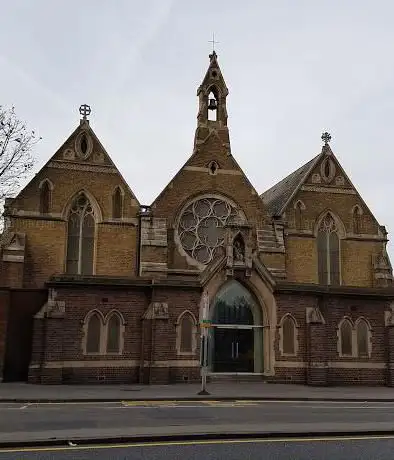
x: 187, y: 325
x: 234, y: 304
x: 117, y: 204
x: 288, y: 336
x: 45, y: 197
x: 356, y: 218
x: 186, y: 334
x: 80, y: 239
x: 93, y: 334
x: 346, y: 338
x: 328, y: 251
x: 212, y: 106
x: 113, y: 334
x: 298, y: 215
x: 362, y: 331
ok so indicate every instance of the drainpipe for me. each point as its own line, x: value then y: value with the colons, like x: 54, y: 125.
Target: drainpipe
x: 138, y: 261
x: 43, y: 343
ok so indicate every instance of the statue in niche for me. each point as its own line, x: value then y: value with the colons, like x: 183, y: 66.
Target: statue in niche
x: 238, y: 249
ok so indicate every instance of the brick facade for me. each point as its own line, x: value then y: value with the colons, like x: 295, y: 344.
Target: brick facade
x: 152, y: 268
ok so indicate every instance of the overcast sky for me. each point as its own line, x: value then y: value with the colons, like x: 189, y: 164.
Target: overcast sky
x: 294, y: 68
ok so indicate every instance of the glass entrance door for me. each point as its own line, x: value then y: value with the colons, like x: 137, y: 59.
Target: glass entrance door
x: 233, y: 350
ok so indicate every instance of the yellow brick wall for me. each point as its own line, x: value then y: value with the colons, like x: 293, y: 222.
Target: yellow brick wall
x: 115, y: 245
x: 356, y: 255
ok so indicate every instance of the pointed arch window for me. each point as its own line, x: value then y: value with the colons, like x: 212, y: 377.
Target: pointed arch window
x: 93, y: 334
x: 80, y: 238
x: 298, y: 210
x: 363, y: 338
x: 328, y: 251
x: 346, y: 338
x: 186, y: 334
x: 103, y: 335
x: 288, y: 341
x: 212, y: 106
x: 45, y: 197
x: 113, y: 334
x: 117, y: 203
x: 356, y: 218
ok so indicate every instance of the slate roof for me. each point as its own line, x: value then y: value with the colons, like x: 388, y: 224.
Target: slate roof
x: 276, y: 197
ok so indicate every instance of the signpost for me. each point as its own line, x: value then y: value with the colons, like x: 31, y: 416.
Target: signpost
x: 205, y: 324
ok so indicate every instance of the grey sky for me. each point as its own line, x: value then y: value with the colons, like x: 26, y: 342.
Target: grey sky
x: 294, y: 68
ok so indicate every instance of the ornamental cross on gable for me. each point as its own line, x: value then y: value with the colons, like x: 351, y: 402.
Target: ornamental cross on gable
x: 85, y: 111
x: 326, y: 138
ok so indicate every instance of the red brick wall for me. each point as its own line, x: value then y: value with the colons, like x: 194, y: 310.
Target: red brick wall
x: 4, y: 306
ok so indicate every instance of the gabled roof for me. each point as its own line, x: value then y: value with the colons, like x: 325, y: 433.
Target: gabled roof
x: 277, y: 197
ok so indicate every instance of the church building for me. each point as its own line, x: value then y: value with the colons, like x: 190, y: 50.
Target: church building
x: 96, y: 287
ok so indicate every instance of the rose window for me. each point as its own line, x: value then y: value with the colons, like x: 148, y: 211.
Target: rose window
x: 201, y: 227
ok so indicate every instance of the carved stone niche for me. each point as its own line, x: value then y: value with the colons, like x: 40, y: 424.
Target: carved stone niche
x: 383, y: 274
x: 239, y: 246
x: 389, y: 316
x: 157, y: 310
x: 314, y: 316
x: 53, y: 308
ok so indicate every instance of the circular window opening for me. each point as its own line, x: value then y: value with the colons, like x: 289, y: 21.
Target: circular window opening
x: 201, y: 227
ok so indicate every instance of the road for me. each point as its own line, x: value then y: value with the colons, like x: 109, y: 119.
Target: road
x: 296, y: 449
x: 67, y: 421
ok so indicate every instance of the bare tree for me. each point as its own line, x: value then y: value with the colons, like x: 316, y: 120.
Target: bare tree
x: 16, y: 146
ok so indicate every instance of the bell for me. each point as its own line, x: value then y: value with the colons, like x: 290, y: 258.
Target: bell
x: 212, y: 104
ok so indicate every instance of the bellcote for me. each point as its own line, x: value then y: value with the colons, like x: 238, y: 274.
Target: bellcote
x: 212, y: 94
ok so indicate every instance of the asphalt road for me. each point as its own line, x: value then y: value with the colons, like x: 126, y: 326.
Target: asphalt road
x: 295, y: 449
x: 41, y: 418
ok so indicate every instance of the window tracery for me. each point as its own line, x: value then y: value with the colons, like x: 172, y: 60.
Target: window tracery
x: 201, y: 227
x: 80, y: 240
x: 328, y: 251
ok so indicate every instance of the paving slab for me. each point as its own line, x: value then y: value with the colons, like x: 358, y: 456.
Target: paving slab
x: 23, y: 392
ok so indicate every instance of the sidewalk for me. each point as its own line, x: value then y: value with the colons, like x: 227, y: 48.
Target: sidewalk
x: 23, y: 392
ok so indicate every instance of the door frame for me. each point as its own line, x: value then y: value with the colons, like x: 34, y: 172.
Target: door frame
x: 233, y: 326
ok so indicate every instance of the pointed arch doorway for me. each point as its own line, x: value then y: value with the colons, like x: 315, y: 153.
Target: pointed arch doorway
x: 237, y: 331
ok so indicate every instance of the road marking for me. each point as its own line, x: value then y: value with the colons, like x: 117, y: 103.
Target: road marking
x: 202, y: 442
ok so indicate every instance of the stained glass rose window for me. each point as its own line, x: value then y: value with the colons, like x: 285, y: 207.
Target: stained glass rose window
x: 201, y: 227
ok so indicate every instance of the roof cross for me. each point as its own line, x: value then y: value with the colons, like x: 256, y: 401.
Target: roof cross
x: 85, y: 110
x: 213, y: 41
x: 326, y: 137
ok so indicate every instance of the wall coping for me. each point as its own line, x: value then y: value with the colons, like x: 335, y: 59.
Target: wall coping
x: 386, y: 293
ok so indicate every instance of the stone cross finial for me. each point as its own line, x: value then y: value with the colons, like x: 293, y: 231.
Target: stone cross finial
x: 326, y: 137
x: 85, y: 111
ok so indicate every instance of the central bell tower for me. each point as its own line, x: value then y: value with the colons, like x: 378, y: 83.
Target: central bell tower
x: 212, y: 113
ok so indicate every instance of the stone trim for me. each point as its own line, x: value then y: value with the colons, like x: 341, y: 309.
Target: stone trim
x: 82, y: 167
x: 313, y: 188
x: 115, y: 363
x: 231, y: 172
x: 385, y: 293
x: 333, y: 365
x: 50, y: 183
x: 132, y: 221
x: 153, y: 267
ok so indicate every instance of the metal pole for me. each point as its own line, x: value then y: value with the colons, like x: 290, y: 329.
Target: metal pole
x: 204, y: 325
